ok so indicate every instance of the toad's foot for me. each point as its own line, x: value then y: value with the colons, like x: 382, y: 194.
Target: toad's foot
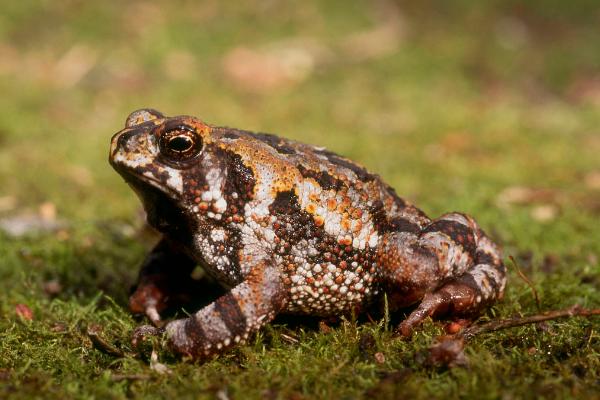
x: 453, y: 298
x: 145, y: 331
x: 150, y: 300
x: 165, y: 283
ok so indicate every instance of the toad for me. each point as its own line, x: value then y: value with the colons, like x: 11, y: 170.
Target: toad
x: 286, y: 227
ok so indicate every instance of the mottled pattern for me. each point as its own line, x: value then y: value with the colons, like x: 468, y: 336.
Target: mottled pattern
x: 287, y: 227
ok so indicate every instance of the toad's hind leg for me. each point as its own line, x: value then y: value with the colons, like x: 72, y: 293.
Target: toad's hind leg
x: 451, y: 265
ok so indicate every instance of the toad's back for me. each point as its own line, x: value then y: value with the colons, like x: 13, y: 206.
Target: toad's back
x: 322, y: 217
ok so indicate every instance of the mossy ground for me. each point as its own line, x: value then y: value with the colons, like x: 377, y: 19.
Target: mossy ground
x: 455, y: 104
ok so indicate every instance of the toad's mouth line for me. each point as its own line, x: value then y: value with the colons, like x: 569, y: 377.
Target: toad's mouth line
x: 163, y: 211
x: 140, y: 182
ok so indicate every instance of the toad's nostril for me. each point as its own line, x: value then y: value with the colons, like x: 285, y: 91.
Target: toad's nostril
x: 124, y: 140
x: 143, y: 115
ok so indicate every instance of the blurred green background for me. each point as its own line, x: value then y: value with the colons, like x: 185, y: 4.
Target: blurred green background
x: 492, y: 108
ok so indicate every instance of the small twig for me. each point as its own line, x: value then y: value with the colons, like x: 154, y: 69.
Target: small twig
x: 573, y: 311
x: 590, y: 337
x: 93, y: 332
x: 289, y: 338
x: 132, y: 377
x: 528, y: 282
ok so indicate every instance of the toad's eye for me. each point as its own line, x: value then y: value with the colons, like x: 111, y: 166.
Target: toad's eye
x: 181, y: 143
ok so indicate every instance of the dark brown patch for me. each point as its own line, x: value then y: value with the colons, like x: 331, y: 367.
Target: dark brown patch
x: 335, y: 159
x: 231, y: 314
x: 281, y: 145
x: 397, y: 224
x: 293, y: 223
x: 481, y: 257
x: 492, y: 282
x: 285, y: 203
x: 468, y: 280
x: 459, y: 233
x: 231, y: 134
x: 240, y: 178
x: 195, y: 333
x: 399, y: 201
x: 323, y: 178
x: 403, y: 225
x: 379, y: 217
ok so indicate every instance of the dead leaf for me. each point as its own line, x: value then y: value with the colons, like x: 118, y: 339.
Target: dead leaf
x: 179, y: 65
x: 585, y: 89
x: 24, y: 312
x: 280, y: 65
x: 544, y: 212
x: 58, y: 327
x: 52, y: 287
x: 74, y: 65
x: 9, y: 59
x: 511, y: 33
x: 447, y: 351
x: 22, y: 225
x: 592, y: 180
x: 522, y: 195
x: 81, y: 175
x: 47, y: 211
x: 379, y: 358
x: 45, y: 221
x: 7, y: 203
x: 383, y: 40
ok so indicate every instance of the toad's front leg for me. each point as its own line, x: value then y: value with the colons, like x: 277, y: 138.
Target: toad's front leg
x: 232, y: 317
x: 164, y: 281
x: 163, y: 269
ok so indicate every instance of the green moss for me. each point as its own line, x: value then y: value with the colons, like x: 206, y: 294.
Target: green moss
x: 476, y: 98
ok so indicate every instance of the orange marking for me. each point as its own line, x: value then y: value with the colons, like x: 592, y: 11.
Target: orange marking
x: 331, y: 204
x: 357, y: 213
x: 346, y: 240
x: 345, y: 224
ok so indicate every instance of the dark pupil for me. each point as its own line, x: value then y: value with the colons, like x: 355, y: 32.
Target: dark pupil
x: 180, y: 143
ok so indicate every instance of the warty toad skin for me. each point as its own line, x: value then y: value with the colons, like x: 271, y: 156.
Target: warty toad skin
x: 287, y: 227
